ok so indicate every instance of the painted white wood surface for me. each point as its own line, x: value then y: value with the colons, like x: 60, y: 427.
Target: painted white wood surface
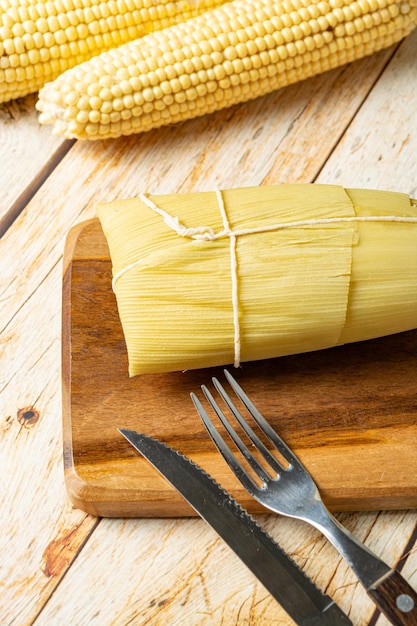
x: 355, y: 126
x: 28, y: 152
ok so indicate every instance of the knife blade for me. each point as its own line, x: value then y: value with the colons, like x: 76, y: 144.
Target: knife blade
x: 294, y: 591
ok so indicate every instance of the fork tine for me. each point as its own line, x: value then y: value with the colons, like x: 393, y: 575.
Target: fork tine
x: 263, y: 475
x: 223, y: 448
x: 273, y: 462
x: 268, y: 431
x: 233, y: 434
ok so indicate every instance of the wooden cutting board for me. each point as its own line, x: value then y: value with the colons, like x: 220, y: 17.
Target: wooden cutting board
x: 350, y: 413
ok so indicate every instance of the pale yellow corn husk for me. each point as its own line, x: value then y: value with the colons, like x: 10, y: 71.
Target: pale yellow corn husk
x: 40, y: 39
x: 231, y: 54
x: 347, y: 272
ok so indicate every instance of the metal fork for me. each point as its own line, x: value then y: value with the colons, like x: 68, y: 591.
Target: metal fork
x: 287, y: 488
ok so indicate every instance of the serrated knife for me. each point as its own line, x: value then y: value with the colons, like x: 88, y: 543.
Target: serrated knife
x: 294, y: 591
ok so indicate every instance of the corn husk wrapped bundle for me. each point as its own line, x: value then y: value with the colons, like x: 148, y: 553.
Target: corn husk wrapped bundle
x: 214, y: 278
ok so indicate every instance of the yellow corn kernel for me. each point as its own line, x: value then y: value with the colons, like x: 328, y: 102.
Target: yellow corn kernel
x: 33, y: 31
x: 247, y: 48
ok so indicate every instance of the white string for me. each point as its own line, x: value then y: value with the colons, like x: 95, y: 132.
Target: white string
x: 207, y: 233
x: 201, y: 232
x: 174, y: 223
x: 321, y: 221
x: 234, y: 276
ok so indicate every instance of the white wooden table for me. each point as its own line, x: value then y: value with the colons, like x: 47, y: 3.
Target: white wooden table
x: 356, y: 126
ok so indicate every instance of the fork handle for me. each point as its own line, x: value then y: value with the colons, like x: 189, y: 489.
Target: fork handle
x: 388, y: 589
x: 396, y: 599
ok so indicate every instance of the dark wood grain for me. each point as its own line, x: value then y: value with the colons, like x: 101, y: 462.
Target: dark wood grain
x: 350, y: 412
x: 396, y: 599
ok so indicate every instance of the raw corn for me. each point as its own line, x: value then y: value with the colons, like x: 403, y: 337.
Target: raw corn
x: 207, y: 279
x: 40, y: 39
x: 236, y: 52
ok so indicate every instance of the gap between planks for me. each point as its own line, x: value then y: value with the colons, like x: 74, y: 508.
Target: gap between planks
x: 29, y: 192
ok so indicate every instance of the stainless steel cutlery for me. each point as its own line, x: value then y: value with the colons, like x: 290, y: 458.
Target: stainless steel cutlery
x: 275, y: 477
x: 296, y: 593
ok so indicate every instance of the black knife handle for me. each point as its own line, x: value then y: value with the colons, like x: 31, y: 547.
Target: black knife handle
x: 396, y: 599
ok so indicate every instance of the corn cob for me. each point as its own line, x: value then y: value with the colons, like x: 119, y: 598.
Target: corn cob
x: 228, y: 55
x: 40, y: 39
x: 206, y: 279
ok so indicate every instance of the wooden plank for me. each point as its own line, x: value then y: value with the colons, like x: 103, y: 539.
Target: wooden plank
x: 179, y: 572
x: 380, y: 147
x: 28, y: 153
x: 202, y: 584
x: 41, y: 532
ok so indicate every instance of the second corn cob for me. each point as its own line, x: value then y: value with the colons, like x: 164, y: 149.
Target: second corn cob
x: 228, y: 55
x: 40, y: 39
